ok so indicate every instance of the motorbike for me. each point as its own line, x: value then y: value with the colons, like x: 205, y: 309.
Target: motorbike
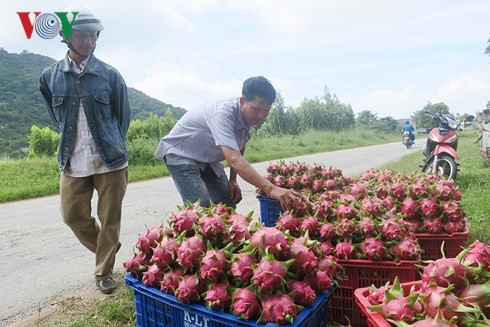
x: 406, y: 139
x: 442, y: 143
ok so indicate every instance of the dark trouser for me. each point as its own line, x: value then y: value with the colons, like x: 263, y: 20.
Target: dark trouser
x: 76, y: 210
x: 195, y: 184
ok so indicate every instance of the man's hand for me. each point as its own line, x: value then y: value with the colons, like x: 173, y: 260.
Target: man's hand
x: 289, y: 199
x: 235, y: 192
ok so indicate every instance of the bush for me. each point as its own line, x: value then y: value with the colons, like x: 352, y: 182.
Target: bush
x: 154, y: 127
x: 43, y: 142
x: 142, y: 152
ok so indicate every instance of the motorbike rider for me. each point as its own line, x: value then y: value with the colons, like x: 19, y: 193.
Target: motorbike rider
x: 407, y: 127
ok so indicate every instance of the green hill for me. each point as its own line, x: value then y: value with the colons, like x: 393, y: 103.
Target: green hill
x: 21, y: 104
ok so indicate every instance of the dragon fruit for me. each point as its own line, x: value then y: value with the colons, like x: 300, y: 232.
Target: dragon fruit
x: 294, y: 182
x: 319, y: 280
x: 359, y: 190
x: 214, y: 265
x: 279, y: 309
x: 395, y: 305
x: 409, y: 208
x: 373, y: 249
x: 269, y: 239
x: 269, y: 274
x: 454, y: 226
x: 279, y: 181
x: 330, y: 184
x: 329, y: 265
x: 170, y: 280
x: 184, y: 221
x: 373, y: 208
x: 189, y: 289
x: 306, y: 181
x: 345, y: 211
x: 287, y: 169
x: 317, y: 185
x: 304, y: 296
x: 323, y: 209
x: 433, y: 226
x: 398, y: 191
x: 306, y: 260
x: 217, y: 297
x: 382, y: 192
x: 327, y: 231
x: 241, y: 268
x: 309, y: 224
x: 407, y: 249
x: 345, y: 228
x: 392, y: 230
x: 148, y: 240
x: 367, y: 227
x: 288, y: 222
x: 418, y: 191
x: 245, y: 304
x: 137, y: 263
x: 190, y: 252
x: 375, y: 295
x: 222, y: 209
x: 165, y: 253
x: 345, y: 250
x: 429, y: 208
x: 452, y: 211
x: 152, y: 276
x: 239, y: 219
x: 443, y: 272
x: 237, y: 233
x: 324, y: 248
x: 273, y: 168
x: 212, y: 227
x: 444, y: 192
x: 478, y: 255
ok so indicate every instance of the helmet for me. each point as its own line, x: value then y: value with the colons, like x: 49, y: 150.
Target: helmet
x: 85, y: 21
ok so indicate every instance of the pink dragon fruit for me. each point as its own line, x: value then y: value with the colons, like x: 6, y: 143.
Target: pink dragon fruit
x: 324, y: 248
x: 269, y: 274
x: 273, y: 168
x: 184, y: 220
x: 240, y: 219
x: 409, y: 208
x: 189, y: 289
x: 329, y: 265
x: 433, y: 226
x: 398, y: 191
x: 411, y: 226
x: 304, y: 296
x: 217, y: 297
x: 190, y: 252
x: 454, y: 226
x: 452, y: 211
x: 345, y: 250
x: 214, y: 265
x: 245, y: 304
x: 306, y: 181
x: 429, y: 208
x: 323, y: 209
x: 347, y: 198
x: 237, y: 233
x: 407, y: 249
x: 165, y: 253
x: 445, y: 303
x: 395, y: 305
x: 444, y: 192
x: 317, y: 185
x: 345, y: 228
x: 392, y: 230
x: 345, y: 211
x: 330, y: 184
x: 418, y: 191
x: 294, y: 182
x: 388, y: 203
x: 152, y: 276
x: 137, y: 263
x: 279, y: 181
x: 288, y: 222
x: 443, y: 272
x: 319, y: 280
x: 241, y: 268
x: 306, y: 260
x: 327, y: 231
x: 373, y: 249
x: 310, y: 224
x: 372, y: 208
x: 278, y: 309
x: 367, y: 227
x: 359, y: 190
x: 382, y: 192
x: 286, y: 169
x: 149, y: 239
x: 375, y: 295
x: 269, y: 239
x: 222, y: 210
x: 212, y: 226
x: 170, y: 280
x: 478, y: 255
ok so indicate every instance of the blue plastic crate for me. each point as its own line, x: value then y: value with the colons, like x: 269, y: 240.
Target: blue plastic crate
x: 270, y: 209
x: 157, y: 309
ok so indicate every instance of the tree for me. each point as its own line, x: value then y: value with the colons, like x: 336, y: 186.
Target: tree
x: 422, y: 120
x: 277, y: 123
x: 487, y: 50
x: 43, y: 142
x: 366, y: 118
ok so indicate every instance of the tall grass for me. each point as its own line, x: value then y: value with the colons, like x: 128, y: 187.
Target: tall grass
x: 29, y: 178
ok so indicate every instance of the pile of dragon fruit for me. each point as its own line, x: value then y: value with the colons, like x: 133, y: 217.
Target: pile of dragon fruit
x: 219, y: 258
x: 371, y: 217
x: 451, y: 292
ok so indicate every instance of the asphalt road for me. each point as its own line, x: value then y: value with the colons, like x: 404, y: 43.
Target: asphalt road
x: 43, y: 262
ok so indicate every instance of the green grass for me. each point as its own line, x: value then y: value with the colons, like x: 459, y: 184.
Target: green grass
x: 473, y: 180
x: 29, y: 178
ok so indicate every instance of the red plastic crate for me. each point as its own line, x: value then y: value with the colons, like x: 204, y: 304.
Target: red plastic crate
x: 431, y: 244
x: 372, y: 318
x: 363, y: 273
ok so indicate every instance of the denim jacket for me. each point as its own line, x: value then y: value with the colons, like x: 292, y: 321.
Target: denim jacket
x: 104, y: 96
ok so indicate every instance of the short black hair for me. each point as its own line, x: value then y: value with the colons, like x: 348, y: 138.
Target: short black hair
x: 259, y: 86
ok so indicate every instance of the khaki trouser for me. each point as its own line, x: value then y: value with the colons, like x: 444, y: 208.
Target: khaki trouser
x: 76, y: 194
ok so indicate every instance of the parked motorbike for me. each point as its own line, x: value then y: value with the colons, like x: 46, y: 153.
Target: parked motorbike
x: 406, y: 139
x: 442, y: 143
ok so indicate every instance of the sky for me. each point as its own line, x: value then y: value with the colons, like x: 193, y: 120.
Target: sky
x: 387, y: 56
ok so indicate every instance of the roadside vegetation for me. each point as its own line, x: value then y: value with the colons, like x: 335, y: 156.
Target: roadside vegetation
x: 474, y: 179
